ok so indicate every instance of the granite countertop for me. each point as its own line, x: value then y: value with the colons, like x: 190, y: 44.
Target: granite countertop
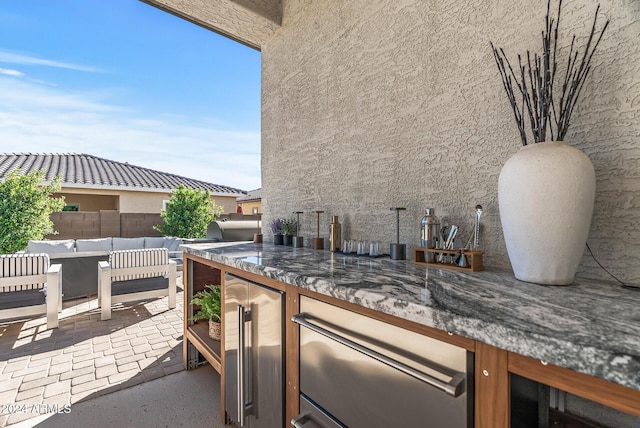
x: 591, y: 326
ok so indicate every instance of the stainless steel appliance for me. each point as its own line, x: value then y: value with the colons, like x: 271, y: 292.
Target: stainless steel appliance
x: 359, y: 372
x: 254, y: 351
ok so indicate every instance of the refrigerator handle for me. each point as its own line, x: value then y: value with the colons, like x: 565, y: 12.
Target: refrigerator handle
x: 240, y: 363
x: 243, y: 317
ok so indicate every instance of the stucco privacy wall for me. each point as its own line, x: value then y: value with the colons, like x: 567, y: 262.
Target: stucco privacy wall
x: 373, y: 104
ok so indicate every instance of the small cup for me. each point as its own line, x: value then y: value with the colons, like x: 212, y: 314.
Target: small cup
x: 374, y: 249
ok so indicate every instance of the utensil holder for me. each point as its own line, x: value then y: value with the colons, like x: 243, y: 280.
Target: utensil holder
x: 421, y: 255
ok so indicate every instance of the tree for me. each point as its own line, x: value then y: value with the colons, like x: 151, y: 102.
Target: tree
x: 26, y: 203
x: 188, y: 213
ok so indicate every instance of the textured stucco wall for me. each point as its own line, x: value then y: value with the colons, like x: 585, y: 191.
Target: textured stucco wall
x: 369, y: 104
x: 137, y: 201
x: 90, y: 202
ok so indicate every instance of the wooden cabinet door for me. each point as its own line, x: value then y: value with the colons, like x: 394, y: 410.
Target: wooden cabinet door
x: 492, y: 387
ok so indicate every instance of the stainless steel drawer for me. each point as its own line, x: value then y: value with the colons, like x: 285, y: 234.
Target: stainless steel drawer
x: 366, y: 373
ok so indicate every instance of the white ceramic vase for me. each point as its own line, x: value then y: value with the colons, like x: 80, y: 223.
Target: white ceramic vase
x: 546, y: 193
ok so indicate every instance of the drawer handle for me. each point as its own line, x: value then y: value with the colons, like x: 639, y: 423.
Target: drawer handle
x: 301, y: 420
x: 454, y: 387
x: 312, y: 416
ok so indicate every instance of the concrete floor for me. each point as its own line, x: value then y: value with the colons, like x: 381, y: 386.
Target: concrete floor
x: 183, y: 399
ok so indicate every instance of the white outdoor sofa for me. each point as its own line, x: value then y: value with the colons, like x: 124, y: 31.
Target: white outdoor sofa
x: 30, y: 285
x: 80, y: 257
x: 131, y: 275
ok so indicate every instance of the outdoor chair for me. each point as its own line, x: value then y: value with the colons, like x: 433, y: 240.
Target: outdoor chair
x: 30, y: 285
x: 132, y: 275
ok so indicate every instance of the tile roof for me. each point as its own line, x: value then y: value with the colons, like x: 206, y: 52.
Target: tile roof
x: 84, y: 170
x: 252, y: 195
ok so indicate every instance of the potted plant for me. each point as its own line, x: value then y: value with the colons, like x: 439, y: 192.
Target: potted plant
x: 276, y: 228
x: 210, y: 305
x: 546, y: 190
x: 289, y: 228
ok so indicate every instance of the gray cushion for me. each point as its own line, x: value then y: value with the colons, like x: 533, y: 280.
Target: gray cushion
x: 154, y: 242
x: 51, y: 247
x: 22, y: 299
x: 79, y: 274
x: 128, y: 244
x: 139, y: 285
x: 101, y: 244
x: 172, y: 244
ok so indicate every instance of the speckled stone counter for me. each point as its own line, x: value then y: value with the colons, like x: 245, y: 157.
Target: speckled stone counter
x: 591, y: 326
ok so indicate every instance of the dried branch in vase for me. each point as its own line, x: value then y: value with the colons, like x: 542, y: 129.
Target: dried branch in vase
x: 535, y: 79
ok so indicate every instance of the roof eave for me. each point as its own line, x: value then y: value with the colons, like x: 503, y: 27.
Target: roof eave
x: 138, y: 189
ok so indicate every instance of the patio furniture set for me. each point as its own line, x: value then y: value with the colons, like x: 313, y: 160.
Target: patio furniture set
x: 37, y: 280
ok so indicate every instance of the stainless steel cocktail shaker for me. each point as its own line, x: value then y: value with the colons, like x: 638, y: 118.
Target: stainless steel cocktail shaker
x: 430, y: 229
x: 430, y: 232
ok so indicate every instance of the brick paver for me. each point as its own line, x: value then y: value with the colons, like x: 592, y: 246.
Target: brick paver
x: 86, y: 357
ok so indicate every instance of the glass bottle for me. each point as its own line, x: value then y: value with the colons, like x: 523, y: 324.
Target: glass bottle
x: 335, y: 237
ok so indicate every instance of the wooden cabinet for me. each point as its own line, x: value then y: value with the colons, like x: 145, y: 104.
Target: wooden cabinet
x: 196, y: 275
x: 199, y: 348
x: 493, y: 367
x: 492, y: 387
x: 600, y: 391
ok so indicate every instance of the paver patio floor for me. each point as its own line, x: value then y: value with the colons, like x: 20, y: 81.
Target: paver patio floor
x: 45, y: 370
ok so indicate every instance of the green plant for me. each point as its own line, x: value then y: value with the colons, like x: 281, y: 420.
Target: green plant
x: 209, y: 302
x: 289, y: 226
x: 25, y: 206
x: 188, y: 213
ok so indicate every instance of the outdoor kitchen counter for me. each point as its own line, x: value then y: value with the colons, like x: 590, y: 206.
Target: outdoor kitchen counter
x: 591, y: 326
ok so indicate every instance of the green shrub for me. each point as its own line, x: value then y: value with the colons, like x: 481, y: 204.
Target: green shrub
x: 25, y: 206
x: 188, y: 213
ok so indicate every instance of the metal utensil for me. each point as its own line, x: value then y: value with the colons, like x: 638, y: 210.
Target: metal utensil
x: 453, y: 231
x: 444, y: 232
x: 476, y: 236
x: 462, y: 260
x: 467, y: 245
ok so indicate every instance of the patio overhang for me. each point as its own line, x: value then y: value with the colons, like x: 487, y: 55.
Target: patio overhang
x: 250, y: 22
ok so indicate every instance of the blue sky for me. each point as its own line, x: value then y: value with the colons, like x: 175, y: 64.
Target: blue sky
x: 125, y: 81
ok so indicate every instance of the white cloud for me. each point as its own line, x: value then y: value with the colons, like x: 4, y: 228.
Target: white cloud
x: 10, y: 72
x: 28, y: 97
x: 39, y: 119
x: 15, y: 58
